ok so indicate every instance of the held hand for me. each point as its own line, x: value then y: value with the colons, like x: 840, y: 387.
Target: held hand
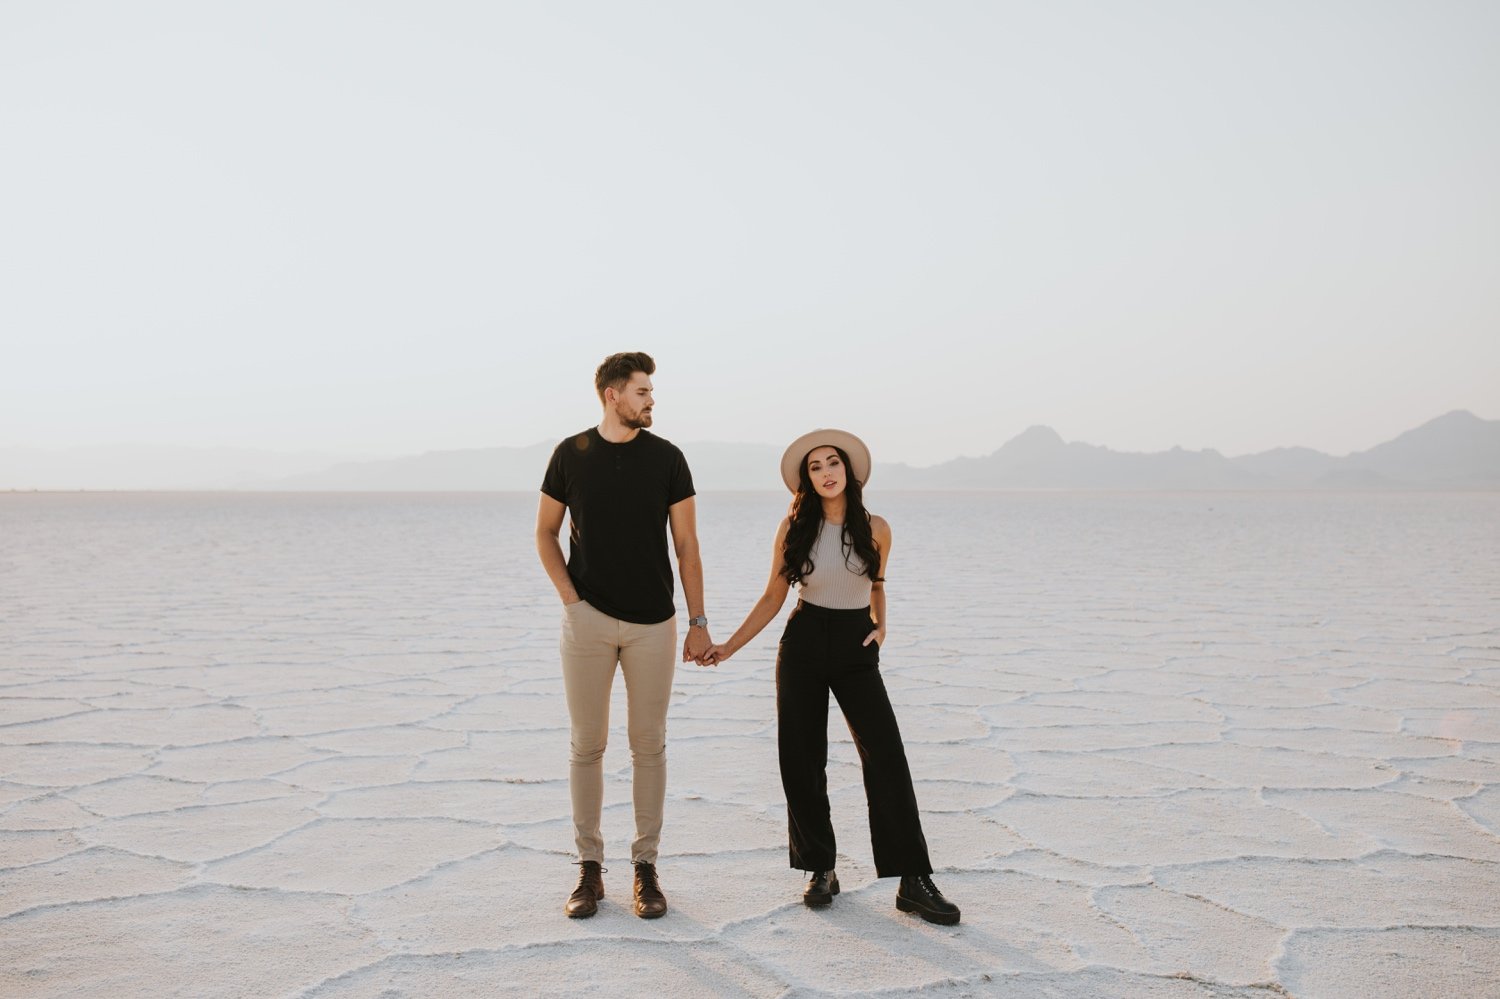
x: 878, y: 635
x: 696, y: 645
x: 715, y: 655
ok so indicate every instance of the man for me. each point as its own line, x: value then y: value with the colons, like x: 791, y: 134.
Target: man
x: 621, y: 486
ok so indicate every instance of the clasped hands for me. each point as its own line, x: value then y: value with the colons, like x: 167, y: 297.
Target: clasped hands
x: 715, y: 655
x: 699, y: 648
x: 712, y: 654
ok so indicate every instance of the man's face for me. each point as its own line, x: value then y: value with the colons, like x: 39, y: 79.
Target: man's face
x: 633, y: 401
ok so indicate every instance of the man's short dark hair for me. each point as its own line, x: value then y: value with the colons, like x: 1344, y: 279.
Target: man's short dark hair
x: 617, y: 369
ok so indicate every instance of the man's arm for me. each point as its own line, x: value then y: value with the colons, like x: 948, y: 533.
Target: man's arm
x: 683, y: 518
x: 549, y: 519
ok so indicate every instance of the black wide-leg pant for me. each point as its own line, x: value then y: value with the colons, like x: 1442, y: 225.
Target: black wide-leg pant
x: 820, y: 652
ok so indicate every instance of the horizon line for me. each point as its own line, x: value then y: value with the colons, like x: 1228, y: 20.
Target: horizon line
x: 351, y: 456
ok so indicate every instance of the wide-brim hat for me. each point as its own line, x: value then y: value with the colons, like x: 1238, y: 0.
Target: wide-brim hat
x: 796, y: 454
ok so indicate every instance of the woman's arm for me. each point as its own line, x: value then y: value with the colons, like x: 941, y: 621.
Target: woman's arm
x: 765, y: 608
x: 882, y: 532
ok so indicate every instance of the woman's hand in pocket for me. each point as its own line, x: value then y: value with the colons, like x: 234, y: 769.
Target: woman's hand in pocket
x: 877, y: 636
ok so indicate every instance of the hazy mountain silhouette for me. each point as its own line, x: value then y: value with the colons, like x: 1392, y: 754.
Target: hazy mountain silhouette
x: 715, y: 466
x: 147, y: 466
x: 1457, y: 450
x: 1300, y: 465
x: 1040, y: 459
x: 472, y: 469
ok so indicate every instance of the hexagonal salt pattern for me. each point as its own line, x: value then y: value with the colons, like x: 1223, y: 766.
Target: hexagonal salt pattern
x: 1236, y: 748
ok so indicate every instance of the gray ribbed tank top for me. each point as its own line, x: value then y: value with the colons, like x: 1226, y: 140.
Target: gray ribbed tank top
x: 832, y: 583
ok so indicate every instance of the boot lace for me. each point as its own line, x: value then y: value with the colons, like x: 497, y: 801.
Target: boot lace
x: 584, y: 873
x: 645, y: 875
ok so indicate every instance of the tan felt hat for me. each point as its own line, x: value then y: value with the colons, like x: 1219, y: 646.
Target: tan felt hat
x: 796, y: 454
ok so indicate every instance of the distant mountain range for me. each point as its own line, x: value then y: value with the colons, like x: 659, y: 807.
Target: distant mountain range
x: 1455, y: 451
x: 146, y: 466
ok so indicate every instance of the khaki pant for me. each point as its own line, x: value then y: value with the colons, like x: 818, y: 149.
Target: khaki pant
x: 592, y: 644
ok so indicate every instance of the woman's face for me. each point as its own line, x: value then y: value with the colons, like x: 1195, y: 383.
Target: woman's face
x: 826, y: 470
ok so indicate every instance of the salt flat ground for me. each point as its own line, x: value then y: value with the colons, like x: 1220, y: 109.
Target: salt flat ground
x: 1165, y: 745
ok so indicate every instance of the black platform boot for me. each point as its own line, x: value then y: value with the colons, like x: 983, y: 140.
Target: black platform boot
x: 820, y: 889
x: 918, y: 894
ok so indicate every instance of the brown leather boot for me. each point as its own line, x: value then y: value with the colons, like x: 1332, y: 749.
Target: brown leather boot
x: 650, y: 903
x: 584, y: 901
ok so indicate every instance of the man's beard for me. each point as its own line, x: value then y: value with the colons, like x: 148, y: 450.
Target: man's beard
x: 640, y: 421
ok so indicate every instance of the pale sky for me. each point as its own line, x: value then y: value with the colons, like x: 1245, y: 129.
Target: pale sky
x: 385, y: 228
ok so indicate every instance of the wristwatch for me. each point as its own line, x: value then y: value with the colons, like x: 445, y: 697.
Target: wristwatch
x: 701, y: 621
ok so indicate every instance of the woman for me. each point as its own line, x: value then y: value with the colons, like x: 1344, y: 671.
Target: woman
x: 835, y: 553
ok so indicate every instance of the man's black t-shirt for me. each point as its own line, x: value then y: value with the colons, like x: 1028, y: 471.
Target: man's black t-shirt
x: 617, y: 497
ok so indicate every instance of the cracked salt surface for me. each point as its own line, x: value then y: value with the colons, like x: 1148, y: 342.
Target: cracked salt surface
x: 317, y: 746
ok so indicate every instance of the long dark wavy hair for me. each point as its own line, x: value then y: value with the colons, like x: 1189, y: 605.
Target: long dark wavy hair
x: 807, y: 521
